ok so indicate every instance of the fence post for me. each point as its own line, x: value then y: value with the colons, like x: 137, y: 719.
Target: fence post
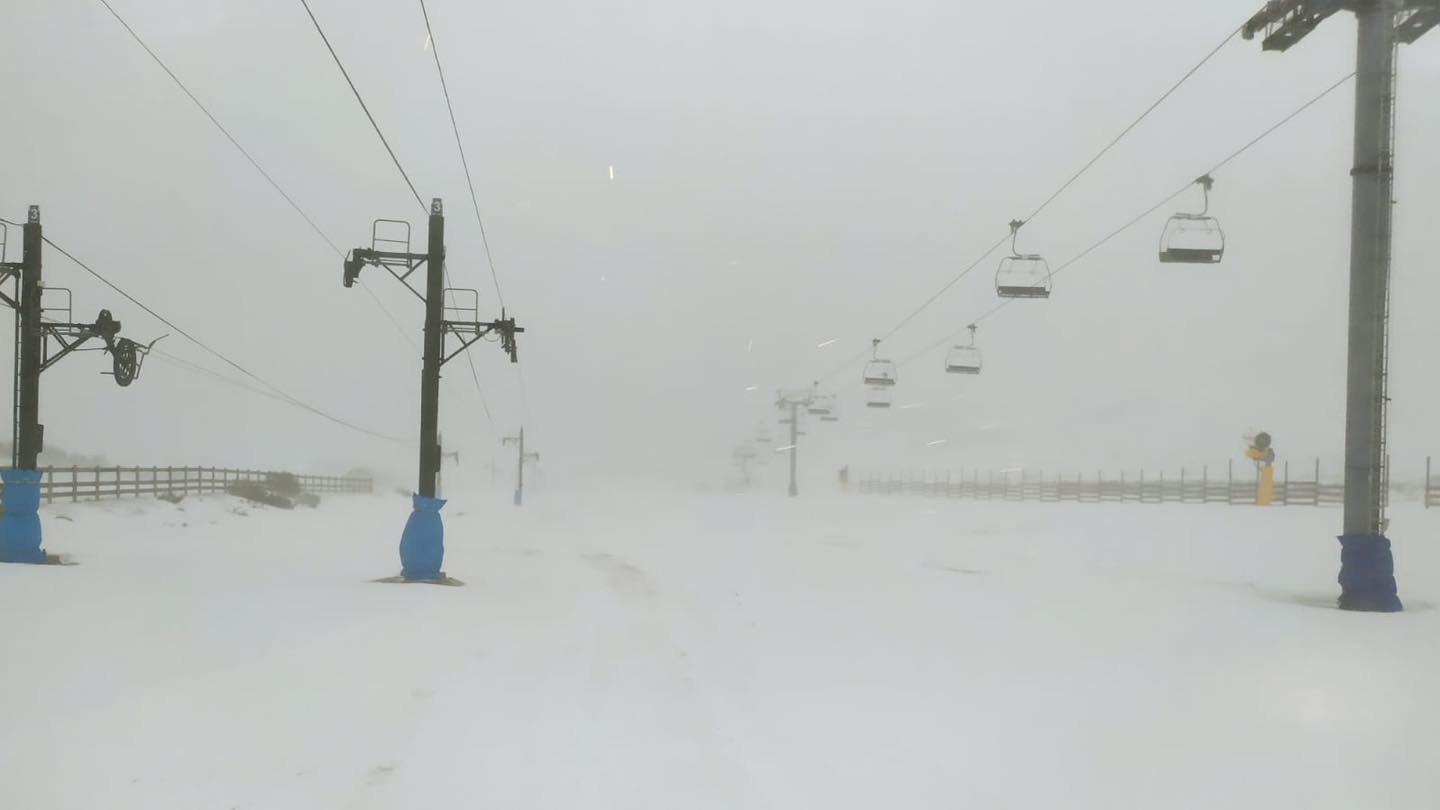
x: 1317, y: 480
x: 1230, y: 481
x: 1205, y: 483
x: 1285, y: 493
x: 1162, y: 486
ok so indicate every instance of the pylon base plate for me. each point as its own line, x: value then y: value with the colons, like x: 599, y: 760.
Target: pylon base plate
x: 443, y: 579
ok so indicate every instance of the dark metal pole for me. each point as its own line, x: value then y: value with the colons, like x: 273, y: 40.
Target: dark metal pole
x: 1367, y: 567
x: 794, y: 445
x: 30, y: 439
x: 434, y: 340
x: 520, y: 471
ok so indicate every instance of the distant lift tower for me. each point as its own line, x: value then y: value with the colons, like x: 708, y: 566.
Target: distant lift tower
x: 522, y: 458
x: 1367, y: 566
x: 796, y: 401
x: 422, y: 547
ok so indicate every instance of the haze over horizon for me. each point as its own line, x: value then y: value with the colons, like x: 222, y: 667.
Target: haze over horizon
x: 784, y: 176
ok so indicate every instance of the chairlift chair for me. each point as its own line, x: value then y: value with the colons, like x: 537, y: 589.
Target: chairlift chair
x: 878, y: 397
x: 879, y: 371
x: 1022, y: 275
x: 1193, y: 238
x: 820, y: 404
x: 832, y: 407
x: 964, y: 359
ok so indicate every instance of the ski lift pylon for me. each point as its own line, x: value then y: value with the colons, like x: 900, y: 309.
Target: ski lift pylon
x: 1022, y: 275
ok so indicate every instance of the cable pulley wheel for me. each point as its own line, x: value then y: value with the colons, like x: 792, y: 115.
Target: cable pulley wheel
x: 126, y: 362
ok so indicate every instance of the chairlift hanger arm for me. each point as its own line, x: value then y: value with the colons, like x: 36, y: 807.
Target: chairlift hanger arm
x: 1285, y: 22
x: 78, y: 334
x: 1420, y: 16
x: 128, y: 356
x: 11, y: 270
x: 471, y: 332
x: 390, y: 260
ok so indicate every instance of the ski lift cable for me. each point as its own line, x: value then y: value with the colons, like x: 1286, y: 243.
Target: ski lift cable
x: 1133, y: 124
x: 180, y: 362
x: 203, y: 345
x: 1152, y: 209
x: 275, y: 184
x: 1068, y: 182
x: 475, y: 205
x: 464, y: 162
x: 484, y: 405
x: 1044, y: 205
x: 363, y: 106
x: 396, y: 160
x: 188, y: 365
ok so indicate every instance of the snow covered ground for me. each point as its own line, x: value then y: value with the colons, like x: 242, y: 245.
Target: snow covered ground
x: 715, y: 651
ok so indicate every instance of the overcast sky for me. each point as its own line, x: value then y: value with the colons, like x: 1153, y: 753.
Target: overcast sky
x: 785, y: 174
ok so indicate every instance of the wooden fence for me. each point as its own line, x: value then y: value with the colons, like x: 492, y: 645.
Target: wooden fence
x: 1117, y: 488
x: 1432, y: 487
x: 94, y: 483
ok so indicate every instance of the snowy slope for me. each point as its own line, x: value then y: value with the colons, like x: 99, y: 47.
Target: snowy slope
x: 715, y: 651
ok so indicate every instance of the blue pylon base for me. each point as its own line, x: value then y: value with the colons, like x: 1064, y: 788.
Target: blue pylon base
x: 1367, y: 574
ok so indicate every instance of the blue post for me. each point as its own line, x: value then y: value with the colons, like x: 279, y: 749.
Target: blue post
x: 20, y: 525
x: 422, y: 546
x: 1367, y: 574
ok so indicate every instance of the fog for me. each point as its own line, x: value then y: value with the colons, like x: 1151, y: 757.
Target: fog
x: 785, y: 175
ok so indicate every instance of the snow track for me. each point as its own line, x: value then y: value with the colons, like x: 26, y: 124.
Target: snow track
x: 714, y: 652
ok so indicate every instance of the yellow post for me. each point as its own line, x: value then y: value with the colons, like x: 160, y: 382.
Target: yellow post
x: 1263, y: 454
x: 1265, y: 486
